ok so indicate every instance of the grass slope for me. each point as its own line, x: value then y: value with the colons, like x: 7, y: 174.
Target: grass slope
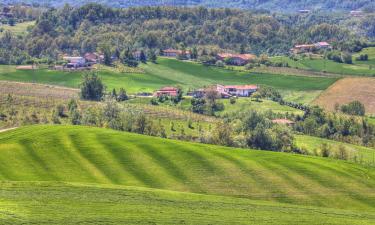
x: 329, y: 66
x: 367, y: 155
x: 18, y: 29
x: 59, y: 203
x: 169, y: 72
x: 92, y: 155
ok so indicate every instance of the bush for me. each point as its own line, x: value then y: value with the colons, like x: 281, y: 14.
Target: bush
x: 346, y: 58
x: 232, y: 100
x: 354, y: 108
x: 220, y: 63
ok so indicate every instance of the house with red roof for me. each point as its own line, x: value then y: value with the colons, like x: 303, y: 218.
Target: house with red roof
x: 322, y: 45
x: 236, y: 59
x: 168, y: 91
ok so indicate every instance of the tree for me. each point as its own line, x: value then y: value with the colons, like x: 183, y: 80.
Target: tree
x: 92, y: 87
x: 347, y: 58
x: 114, y: 94
x: 107, y: 56
x: 354, y: 108
x: 142, y: 57
x: 152, y: 56
x: 122, y: 96
x: 128, y: 59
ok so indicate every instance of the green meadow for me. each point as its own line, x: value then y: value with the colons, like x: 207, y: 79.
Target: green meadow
x: 169, y: 72
x: 312, y: 144
x: 100, y: 156
x: 67, y: 203
x: 18, y: 29
x: 358, y: 68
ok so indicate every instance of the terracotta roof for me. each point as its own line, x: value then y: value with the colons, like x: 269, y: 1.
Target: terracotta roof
x: 323, y: 43
x: 241, y: 87
x: 168, y: 89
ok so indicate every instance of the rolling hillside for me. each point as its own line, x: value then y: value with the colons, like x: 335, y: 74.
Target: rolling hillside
x: 92, y: 155
x: 58, y: 203
x: 169, y: 72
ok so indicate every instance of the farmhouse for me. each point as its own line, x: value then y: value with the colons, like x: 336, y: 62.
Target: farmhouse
x: 75, y: 62
x: 240, y: 90
x: 322, y: 45
x: 356, y: 13
x: 175, y: 53
x: 304, y: 11
x: 93, y: 58
x: 168, y: 91
x: 303, y: 48
x: 236, y: 59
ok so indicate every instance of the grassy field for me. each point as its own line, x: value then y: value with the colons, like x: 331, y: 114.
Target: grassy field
x: 312, y: 144
x: 65, y: 203
x: 329, y: 66
x: 371, y: 56
x: 18, y: 29
x: 92, y: 155
x: 169, y: 72
x: 243, y: 104
x: 347, y: 90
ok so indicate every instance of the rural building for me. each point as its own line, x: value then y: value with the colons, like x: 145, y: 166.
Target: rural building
x: 168, y: 91
x: 240, y: 90
x: 75, y: 62
x: 236, y: 59
x: 175, y: 53
x: 93, y: 58
x: 304, y: 11
x: 356, y: 13
x: 322, y: 45
x: 303, y: 48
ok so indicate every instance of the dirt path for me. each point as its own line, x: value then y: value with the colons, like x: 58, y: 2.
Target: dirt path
x: 7, y: 129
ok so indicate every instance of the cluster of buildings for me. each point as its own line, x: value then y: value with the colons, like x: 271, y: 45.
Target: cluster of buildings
x: 225, y: 91
x: 77, y: 62
x: 175, y: 53
x: 310, y: 47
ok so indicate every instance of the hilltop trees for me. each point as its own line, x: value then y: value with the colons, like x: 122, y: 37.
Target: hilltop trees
x: 354, y: 108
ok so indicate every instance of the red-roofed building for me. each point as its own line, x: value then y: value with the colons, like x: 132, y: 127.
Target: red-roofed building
x: 169, y: 91
x: 236, y: 59
x: 323, y: 45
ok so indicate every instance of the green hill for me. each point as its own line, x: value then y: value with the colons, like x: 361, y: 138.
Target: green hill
x: 362, y: 154
x: 64, y: 203
x: 169, y: 72
x: 93, y: 155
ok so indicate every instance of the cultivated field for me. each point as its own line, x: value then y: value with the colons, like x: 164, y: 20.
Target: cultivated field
x: 169, y: 72
x: 93, y: 155
x: 347, y: 90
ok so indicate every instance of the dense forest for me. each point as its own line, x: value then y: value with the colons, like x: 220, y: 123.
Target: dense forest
x: 271, y: 5
x: 96, y: 27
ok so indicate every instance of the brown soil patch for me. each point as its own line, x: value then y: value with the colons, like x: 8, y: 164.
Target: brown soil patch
x: 37, y: 90
x: 347, y: 90
x: 27, y: 67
